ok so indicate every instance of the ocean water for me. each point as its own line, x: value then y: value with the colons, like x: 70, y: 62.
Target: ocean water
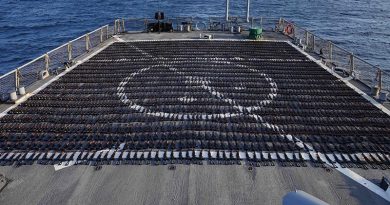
x: 29, y: 28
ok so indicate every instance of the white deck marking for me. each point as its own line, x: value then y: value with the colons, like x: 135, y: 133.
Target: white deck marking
x: 72, y: 162
x: 118, y: 39
x: 205, y: 84
x: 63, y: 165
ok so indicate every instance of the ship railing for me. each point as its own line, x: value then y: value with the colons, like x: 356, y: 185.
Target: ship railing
x: 338, y: 58
x: 332, y: 54
x: 386, y: 80
x: 51, y: 63
x: 197, y: 23
x: 58, y: 59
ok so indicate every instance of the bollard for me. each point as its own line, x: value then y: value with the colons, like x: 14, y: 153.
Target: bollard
x: 43, y: 75
x: 374, y: 91
x: 188, y: 28
x: 13, y: 96
x: 22, y: 91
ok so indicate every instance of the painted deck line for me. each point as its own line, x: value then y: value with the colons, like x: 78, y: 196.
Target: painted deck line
x: 347, y: 172
x: 72, y: 162
x: 118, y: 39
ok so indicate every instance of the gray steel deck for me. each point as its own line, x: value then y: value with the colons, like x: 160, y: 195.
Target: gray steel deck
x: 194, y: 184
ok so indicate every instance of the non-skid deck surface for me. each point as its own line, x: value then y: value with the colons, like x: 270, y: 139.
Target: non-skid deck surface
x: 197, y: 99
x: 187, y: 184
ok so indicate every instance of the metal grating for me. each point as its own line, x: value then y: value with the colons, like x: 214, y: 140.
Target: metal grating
x: 194, y: 100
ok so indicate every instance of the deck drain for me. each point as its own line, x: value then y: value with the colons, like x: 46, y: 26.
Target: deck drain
x: 3, y: 181
x: 98, y: 167
x: 172, y: 167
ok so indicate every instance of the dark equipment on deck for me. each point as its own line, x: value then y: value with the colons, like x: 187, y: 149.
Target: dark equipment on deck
x: 159, y: 15
x: 160, y: 26
x: 186, y: 26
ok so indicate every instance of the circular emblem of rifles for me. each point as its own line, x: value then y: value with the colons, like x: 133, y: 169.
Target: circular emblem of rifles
x: 182, y: 76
